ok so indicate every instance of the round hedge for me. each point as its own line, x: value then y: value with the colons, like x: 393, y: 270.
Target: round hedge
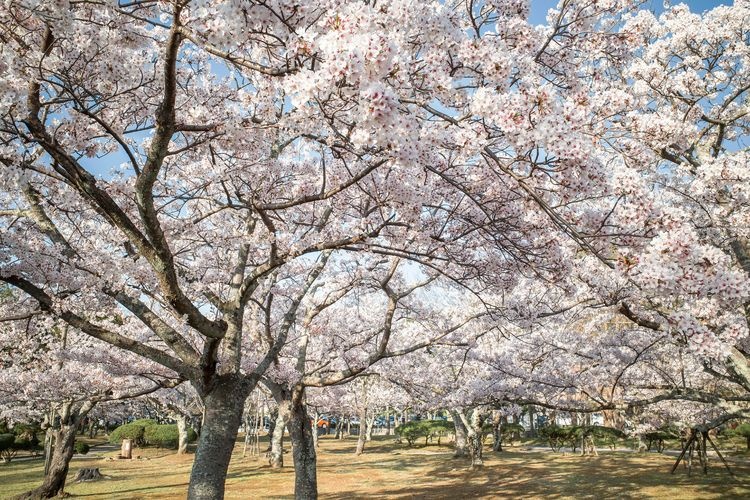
x: 147, y: 432
x: 134, y: 431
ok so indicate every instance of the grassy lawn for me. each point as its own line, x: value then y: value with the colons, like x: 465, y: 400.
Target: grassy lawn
x: 394, y: 471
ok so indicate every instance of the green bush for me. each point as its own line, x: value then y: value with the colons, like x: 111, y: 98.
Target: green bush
x: 510, y: 432
x: 165, y: 436
x: 609, y: 436
x: 571, y: 435
x: 427, y: 429
x: 134, y: 431
x: 27, y: 436
x: 81, y: 448
x: 742, y: 430
x: 8, y: 447
x: 659, y: 436
x: 145, y: 422
x: 557, y: 437
x: 6, y: 441
x: 161, y: 436
x: 147, y: 432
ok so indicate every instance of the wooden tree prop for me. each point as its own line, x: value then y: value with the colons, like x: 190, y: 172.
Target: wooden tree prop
x: 696, y: 443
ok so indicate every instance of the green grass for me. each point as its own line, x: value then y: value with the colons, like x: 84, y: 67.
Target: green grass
x: 390, y: 470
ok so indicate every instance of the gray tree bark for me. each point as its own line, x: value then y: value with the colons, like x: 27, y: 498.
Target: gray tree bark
x: 276, y: 457
x: 182, y: 433
x: 221, y: 422
x: 303, y: 453
x: 370, y: 425
x: 362, y: 436
x: 460, y: 430
x: 64, y: 445
x: 474, y: 435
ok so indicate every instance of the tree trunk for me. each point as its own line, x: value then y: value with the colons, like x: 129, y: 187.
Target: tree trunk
x: 460, y: 430
x: 362, y: 437
x: 339, y: 428
x: 387, y: 421
x: 315, y: 429
x: 54, y: 480
x: 272, y: 418
x: 474, y: 432
x: 303, y: 453
x: 497, y: 434
x: 276, y: 456
x: 49, y: 437
x: 368, y: 428
x: 182, y: 433
x: 221, y: 422
x: 532, y: 427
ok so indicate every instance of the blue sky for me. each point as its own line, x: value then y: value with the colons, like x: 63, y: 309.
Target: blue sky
x: 539, y: 8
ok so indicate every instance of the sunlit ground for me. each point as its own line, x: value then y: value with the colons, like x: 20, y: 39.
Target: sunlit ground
x: 394, y: 471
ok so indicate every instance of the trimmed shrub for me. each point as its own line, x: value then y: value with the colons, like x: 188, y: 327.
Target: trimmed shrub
x: 165, y: 436
x: 659, y: 436
x: 144, y: 422
x: 511, y: 432
x: 8, y: 449
x: 744, y: 431
x: 81, y: 448
x: 427, y: 429
x: 557, y: 437
x: 147, y: 432
x: 134, y: 431
x: 6, y: 441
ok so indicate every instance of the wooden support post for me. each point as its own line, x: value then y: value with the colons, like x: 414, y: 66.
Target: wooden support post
x: 684, y: 450
x: 721, y: 457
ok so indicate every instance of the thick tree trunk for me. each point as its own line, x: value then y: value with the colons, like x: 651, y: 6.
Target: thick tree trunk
x: 221, y: 422
x: 54, y: 480
x: 276, y: 455
x: 64, y: 437
x: 182, y: 433
x: 303, y: 452
x: 474, y: 434
x: 460, y: 430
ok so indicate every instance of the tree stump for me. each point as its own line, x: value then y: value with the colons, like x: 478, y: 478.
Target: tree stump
x: 88, y: 474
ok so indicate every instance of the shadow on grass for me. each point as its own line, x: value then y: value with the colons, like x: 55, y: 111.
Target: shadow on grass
x: 152, y: 489
x: 523, y: 475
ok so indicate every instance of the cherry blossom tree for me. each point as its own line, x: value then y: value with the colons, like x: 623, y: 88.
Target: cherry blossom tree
x: 168, y: 167
x: 53, y: 374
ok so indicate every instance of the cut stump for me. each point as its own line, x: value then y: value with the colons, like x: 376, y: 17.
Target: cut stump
x: 88, y: 474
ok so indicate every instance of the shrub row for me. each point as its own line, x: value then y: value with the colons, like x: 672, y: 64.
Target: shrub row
x: 427, y: 429
x: 149, y: 433
x: 571, y: 435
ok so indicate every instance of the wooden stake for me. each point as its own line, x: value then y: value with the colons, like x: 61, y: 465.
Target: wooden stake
x: 684, y: 450
x: 721, y: 457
